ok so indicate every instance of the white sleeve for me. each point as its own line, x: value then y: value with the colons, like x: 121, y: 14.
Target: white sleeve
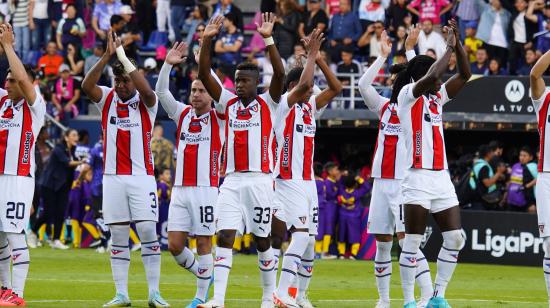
x: 225, y: 97
x: 371, y: 98
x: 282, y: 109
x: 537, y: 103
x: 38, y: 109
x: 406, y: 98
x: 270, y: 102
x: 444, y: 96
x: 216, y: 77
x: 166, y: 98
x: 105, y: 91
x: 3, y: 92
x: 410, y: 54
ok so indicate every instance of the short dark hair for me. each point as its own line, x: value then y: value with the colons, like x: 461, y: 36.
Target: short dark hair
x: 28, y: 70
x: 203, y: 10
x: 248, y: 66
x: 118, y: 68
x: 347, y: 49
x: 115, y: 19
x: 330, y: 165
x: 232, y: 17
x: 495, y: 144
x: 528, y: 150
x: 484, y: 150
x: 293, y: 75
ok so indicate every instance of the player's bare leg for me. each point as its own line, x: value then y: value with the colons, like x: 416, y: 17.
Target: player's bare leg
x: 184, y: 257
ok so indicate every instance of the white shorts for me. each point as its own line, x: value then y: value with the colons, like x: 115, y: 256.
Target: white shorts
x: 431, y: 189
x: 245, y: 203
x: 299, y: 204
x: 193, y: 210
x: 129, y: 198
x: 16, y: 194
x: 386, y: 207
x: 542, y: 194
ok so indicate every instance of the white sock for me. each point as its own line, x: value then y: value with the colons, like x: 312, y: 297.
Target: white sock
x: 423, y: 277
x: 222, y: 267
x: 5, y: 260
x: 186, y: 259
x: 120, y: 257
x: 446, y: 260
x: 383, y: 269
x: 407, y: 265
x: 204, y: 273
x: 150, y: 253
x: 306, y: 268
x: 291, y: 260
x: 546, y: 263
x: 20, y: 262
x: 267, y: 273
x: 276, y: 257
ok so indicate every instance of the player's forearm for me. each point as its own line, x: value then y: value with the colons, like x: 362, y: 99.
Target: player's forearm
x: 16, y: 66
x: 464, y: 70
x: 204, y: 58
x: 276, y: 62
x: 144, y: 89
x: 166, y: 98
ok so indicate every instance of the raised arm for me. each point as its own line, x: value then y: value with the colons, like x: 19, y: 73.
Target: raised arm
x: 463, y: 74
x: 369, y: 94
x: 17, y: 69
x: 537, y: 83
x: 142, y: 85
x: 277, y: 81
x: 89, y: 84
x: 437, y: 69
x: 312, y: 43
x: 175, y: 56
x: 205, y: 63
x: 411, y: 40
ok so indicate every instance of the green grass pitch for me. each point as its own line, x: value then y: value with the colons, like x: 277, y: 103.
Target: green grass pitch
x: 82, y: 278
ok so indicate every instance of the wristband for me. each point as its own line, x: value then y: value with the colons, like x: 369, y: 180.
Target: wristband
x: 268, y: 41
x: 121, y: 55
x: 410, y: 54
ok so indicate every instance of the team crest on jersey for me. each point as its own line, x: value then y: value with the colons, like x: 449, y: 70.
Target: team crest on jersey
x: 254, y: 108
x: 134, y: 105
x: 303, y: 219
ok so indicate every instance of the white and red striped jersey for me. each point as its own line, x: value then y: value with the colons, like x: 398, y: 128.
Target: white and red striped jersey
x: 127, y: 133
x: 422, y: 123
x: 543, y: 117
x: 249, y: 135
x: 295, y: 131
x: 20, y: 124
x: 199, y: 147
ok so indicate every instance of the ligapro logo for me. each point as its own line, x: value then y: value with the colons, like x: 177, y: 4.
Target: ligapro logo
x: 498, y: 245
x: 514, y: 91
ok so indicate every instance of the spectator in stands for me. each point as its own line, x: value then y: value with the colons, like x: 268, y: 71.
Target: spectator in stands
x: 485, y: 180
x: 530, y: 60
x: 430, y: 9
x: 313, y: 18
x: 147, y: 21
x: 451, y: 67
x: 164, y: 20
x: 39, y: 24
x: 495, y: 69
x: 371, y: 39
x: 194, y: 46
x: 520, y: 196
x: 298, y: 55
x: 396, y: 15
x: 543, y: 39
x: 345, y: 29
x: 492, y: 29
x: 224, y: 7
x: 101, y: 20
x: 228, y: 46
x: 348, y: 66
x: 398, y: 43
x: 150, y: 71
x: 130, y: 33
x: 480, y: 66
x: 467, y: 12
x: 92, y: 59
x: 70, y: 29
x: 56, y: 183
x: 223, y: 72
x: 74, y: 60
x: 332, y: 7
x: 180, y: 10
x: 162, y: 148
x: 371, y: 11
x: 520, y: 31
x: 428, y: 38
x: 66, y: 95
x: 497, y: 148
x: 471, y: 43
x: 286, y: 26
x: 197, y: 17
x: 20, y: 22
x: 51, y: 61
x: 431, y: 53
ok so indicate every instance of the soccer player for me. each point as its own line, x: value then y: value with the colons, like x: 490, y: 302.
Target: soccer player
x: 200, y: 131
x: 129, y: 189
x: 540, y: 95
x: 295, y: 188
x: 427, y: 186
x: 328, y: 212
x: 247, y: 191
x: 388, y: 171
x: 22, y: 112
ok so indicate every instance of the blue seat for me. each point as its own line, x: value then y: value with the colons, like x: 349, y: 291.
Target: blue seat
x: 155, y: 40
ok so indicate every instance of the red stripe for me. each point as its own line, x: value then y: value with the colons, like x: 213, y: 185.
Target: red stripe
x: 146, y: 134
x: 225, y: 154
x: 267, y: 130
x: 104, y: 123
x: 380, y: 134
x: 180, y: 122
x: 190, y: 161
x: 26, y: 142
x: 123, y: 161
x: 215, y: 147
x: 240, y: 139
x: 3, y: 141
x: 416, y: 120
x: 543, y: 116
x: 438, y: 148
x: 388, y: 156
x: 285, y: 169
x: 308, y: 157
